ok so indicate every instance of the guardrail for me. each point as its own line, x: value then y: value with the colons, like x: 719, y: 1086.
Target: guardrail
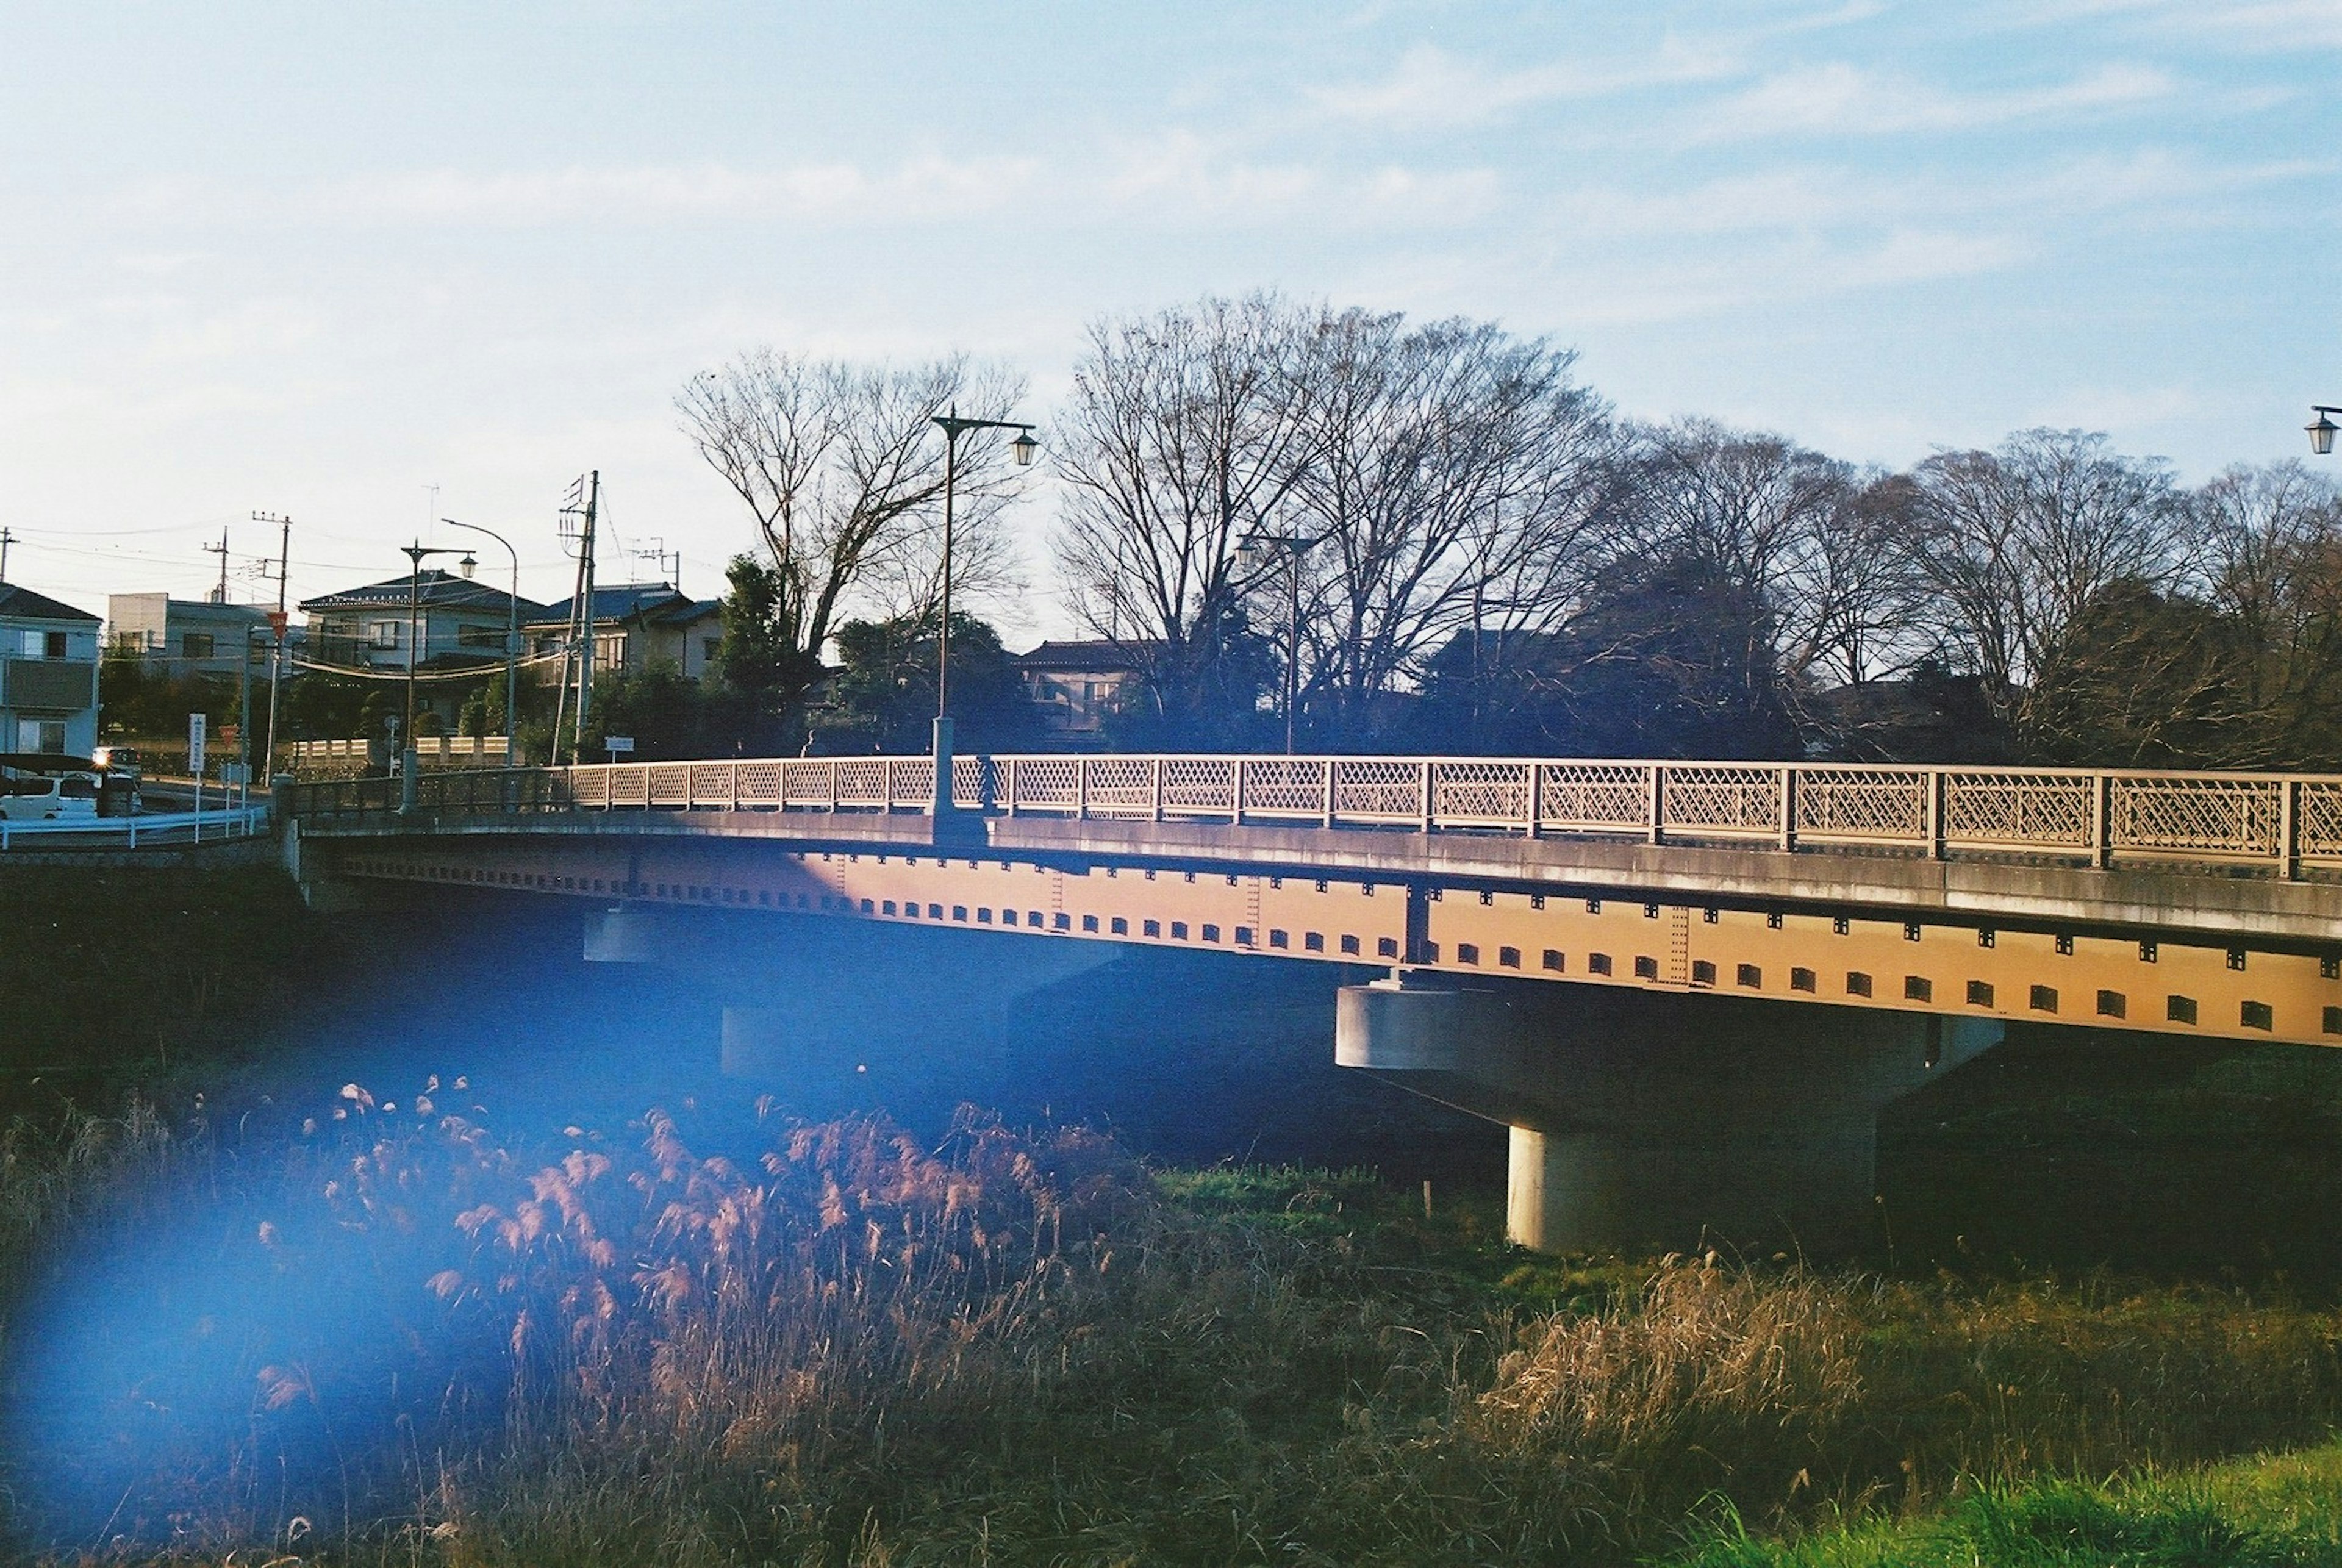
x: 150, y: 828
x: 2279, y: 825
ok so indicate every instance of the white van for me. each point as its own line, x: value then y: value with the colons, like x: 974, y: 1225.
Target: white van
x: 61, y: 797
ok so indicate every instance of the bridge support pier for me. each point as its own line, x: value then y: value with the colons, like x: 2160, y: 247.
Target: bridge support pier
x: 1643, y: 1120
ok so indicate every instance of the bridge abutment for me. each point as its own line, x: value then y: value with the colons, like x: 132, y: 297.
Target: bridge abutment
x: 1661, y: 1120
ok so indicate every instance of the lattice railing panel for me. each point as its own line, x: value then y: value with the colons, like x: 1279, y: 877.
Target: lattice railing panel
x: 1595, y: 797
x: 1199, y: 785
x: 1285, y: 786
x: 1732, y: 800
x: 1862, y: 804
x: 759, y: 784
x: 2319, y: 830
x: 972, y: 783
x: 629, y: 786
x: 1373, y: 789
x: 1048, y: 783
x: 861, y: 783
x: 590, y: 786
x: 1480, y: 793
x: 670, y: 784
x: 2036, y: 811
x: 711, y: 784
x: 2198, y: 816
x: 912, y: 780
x: 1120, y: 786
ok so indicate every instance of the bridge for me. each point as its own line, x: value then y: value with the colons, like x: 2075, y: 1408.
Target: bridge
x: 1687, y: 987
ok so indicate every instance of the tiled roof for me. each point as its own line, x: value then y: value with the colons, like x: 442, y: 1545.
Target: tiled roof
x: 1084, y: 657
x: 23, y: 602
x: 433, y: 590
x: 619, y: 602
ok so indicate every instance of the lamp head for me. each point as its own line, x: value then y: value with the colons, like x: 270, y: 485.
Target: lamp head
x: 2321, y: 432
x: 468, y: 566
x: 1022, y: 448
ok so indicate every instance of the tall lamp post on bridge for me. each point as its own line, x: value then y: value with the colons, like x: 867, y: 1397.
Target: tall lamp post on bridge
x: 2322, y: 428
x: 1254, y: 552
x: 1022, y: 449
x: 512, y: 632
x: 415, y: 554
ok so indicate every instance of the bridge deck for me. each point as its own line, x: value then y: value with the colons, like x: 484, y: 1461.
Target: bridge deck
x: 2156, y: 908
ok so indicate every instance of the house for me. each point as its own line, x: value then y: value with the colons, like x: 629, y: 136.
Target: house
x: 1078, y: 686
x: 637, y: 625
x: 180, y: 637
x: 457, y: 622
x: 48, y: 674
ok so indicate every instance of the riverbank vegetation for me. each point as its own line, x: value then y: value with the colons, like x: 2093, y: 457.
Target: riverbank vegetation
x: 382, y: 1331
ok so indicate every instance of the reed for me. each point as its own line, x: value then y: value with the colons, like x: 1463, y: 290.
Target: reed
x: 385, y: 1334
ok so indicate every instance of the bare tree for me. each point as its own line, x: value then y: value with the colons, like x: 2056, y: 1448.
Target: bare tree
x: 1452, y: 477
x: 843, y: 470
x: 2015, y: 544
x: 2273, y: 564
x: 1181, y: 435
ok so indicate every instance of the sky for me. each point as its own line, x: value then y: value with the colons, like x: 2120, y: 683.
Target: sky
x: 372, y: 266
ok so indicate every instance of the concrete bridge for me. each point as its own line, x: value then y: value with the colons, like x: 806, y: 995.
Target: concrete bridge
x: 1687, y: 988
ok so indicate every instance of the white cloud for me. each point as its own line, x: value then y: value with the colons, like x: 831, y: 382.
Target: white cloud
x: 1432, y: 88
x: 1838, y: 99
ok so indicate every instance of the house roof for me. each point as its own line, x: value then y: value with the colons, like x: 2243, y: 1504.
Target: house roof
x: 1084, y: 657
x: 433, y: 590
x: 683, y: 611
x: 24, y: 603
x: 618, y: 602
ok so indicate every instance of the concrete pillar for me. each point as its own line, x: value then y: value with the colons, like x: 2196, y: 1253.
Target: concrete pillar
x: 1643, y: 1119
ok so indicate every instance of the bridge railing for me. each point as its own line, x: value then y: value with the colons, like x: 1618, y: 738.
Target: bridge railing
x: 2282, y: 825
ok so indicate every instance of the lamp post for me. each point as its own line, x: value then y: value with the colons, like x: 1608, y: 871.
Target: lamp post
x: 2322, y: 428
x: 1253, y: 552
x: 1023, y: 449
x: 512, y: 634
x: 415, y: 554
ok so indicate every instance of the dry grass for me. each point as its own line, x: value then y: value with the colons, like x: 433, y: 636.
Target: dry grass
x: 394, y: 1337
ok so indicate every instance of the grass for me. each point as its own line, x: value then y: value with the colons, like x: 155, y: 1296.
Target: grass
x: 2279, y: 1511
x: 394, y: 1335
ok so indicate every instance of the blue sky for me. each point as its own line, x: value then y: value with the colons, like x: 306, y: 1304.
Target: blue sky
x: 315, y: 260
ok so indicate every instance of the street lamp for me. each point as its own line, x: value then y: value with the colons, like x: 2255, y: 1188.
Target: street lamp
x: 415, y: 554
x: 1022, y: 449
x: 1253, y: 552
x: 512, y: 633
x: 2321, y: 429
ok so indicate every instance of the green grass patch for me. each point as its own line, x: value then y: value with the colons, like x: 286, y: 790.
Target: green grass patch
x: 2281, y: 1511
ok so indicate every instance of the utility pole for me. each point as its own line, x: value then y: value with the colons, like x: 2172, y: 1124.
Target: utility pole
x: 277, y: 625
x: 585, y: 501
x: 6, y: 539
x: 219, y: 595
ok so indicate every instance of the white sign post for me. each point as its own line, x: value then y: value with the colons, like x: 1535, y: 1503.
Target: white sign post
x: 197, y: 723
x: 614, y: 745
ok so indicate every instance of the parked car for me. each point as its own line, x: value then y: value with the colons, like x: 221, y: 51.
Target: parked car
x: 56, y: 797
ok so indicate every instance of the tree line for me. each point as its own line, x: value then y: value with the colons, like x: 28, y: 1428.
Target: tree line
x: 1460, y: 546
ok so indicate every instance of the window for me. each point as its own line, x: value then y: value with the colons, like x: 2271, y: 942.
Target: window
x: 480, y: 637
x: 384, y: 634
x: 1313, y: 942
x: 1554, y: 959
x: 1703, y: 972
x: 2180, y: 1010
x: 2258, y: 1016
x: 1857, y: 984
x: 1153, y: 928
x: 1508, y: 957
x: 1751, y: 976
x: 1979, y: 994
x: 1803, y: 980
x: 609, y: 651
x: 2044, y: 999
x: 54, y: 645
x: 709, y: 647
x: 195, y: 645
x: 1647, y: 968
x: 1385, y: 947
x: 1918, y: 989
x: 1468, y: 953
x: 41, y: 736
x: 2113, y: 1004
x: 1598, y: 963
